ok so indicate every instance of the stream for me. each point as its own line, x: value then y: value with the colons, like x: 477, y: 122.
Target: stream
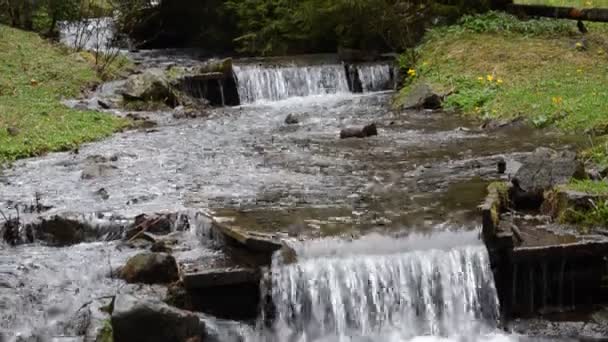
x: 385, y: 228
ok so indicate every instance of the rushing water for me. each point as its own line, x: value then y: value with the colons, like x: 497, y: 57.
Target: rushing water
x: 263, y: 83
x: 375, y: 77
x: 384, y: 289
x: 372, y: 289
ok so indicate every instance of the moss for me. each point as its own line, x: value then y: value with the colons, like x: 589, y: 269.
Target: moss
x: 34, y: 77
x: 106, y: 333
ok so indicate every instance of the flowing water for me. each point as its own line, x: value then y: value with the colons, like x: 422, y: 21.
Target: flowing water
x: 424, y: 172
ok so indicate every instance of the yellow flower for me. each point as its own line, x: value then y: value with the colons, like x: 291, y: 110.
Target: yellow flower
x: 499, y: 81
x: 557, y: 100
x: 480, y: 79
x: 490, y: 78
x: 411, y: 72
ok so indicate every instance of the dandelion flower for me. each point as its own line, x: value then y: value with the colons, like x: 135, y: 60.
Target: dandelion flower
x: 499, y: 81
x: 480, y: 79
x: 411, y: 72
x: 557, y: 100
x: 490, y: 78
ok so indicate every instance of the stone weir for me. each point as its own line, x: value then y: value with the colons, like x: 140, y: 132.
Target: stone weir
x: 539, y: 266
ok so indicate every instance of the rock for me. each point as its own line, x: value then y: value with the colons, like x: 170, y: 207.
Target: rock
x: 541, y: 171
x: 220, y: 277
x: 292, y: 119
x: 61, y: 231
x: 223, y: 66
x: 13, y: 131
x: 136, y: 320
x: 160, y: 247
x: 104, y: 104
x: 359, y: 132
x: 151, y: 85
x: 103, y: 193
x: 93, y: 170
x: 156, y: 224
x: 422, y: 96
x: 494, y: 124
x: 150, y: 268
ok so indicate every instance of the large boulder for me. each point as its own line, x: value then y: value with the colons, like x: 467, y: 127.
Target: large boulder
x: 422, y: 96
x: 135, y: 320
x: 151, y: 85
x: 541, y: 171
x: 150, y: 268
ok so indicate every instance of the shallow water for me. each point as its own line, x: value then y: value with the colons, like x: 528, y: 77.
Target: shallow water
x: 424, y: 172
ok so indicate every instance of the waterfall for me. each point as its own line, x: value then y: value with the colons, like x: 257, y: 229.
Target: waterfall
x: 384, y: 297
x: 375, y: 77
x: 273, y: 83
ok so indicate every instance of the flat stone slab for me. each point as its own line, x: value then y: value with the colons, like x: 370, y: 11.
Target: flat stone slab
x: 254, y: 241
x: 220, y: 277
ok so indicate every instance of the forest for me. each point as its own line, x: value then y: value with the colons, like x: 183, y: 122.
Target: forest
x: 253, y: 27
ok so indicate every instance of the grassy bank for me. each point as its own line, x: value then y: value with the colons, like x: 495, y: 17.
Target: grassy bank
x: 567, y: 3
x: 495, y: 66
x: 34, y: 77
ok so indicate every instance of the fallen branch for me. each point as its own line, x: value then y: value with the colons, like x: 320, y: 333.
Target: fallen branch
x: 146, y: 225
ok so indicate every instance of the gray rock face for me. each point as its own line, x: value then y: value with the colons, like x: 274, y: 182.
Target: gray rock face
x: 150, y: 268
x: 541, y: 171
x: 134, y: 320
x: 422, y: 96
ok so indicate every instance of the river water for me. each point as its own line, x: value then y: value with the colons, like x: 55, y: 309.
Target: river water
x: 388, y: 236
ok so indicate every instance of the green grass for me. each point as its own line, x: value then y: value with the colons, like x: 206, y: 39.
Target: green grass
x: 34, y: 77
x: 496, y: 66
x: 589, y: 186
x: 567, y: 3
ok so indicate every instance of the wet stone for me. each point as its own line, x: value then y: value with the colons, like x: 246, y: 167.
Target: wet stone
x: 150, y: 268
x: 359, y: 132
x: 135, y: 320
x: 541, y: 171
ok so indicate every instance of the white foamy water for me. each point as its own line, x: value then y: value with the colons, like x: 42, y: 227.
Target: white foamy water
x: 375, y: 77
x: 384, y: 289
x: 260, y: 82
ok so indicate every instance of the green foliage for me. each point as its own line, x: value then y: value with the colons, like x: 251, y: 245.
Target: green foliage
x: 596, y: 216
x: 500, y: 22
x: 36, y: 76
x: 589, y: 186
x: 536, y: 73
x: 567, y: 3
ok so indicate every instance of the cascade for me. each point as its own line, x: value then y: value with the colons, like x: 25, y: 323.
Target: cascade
x: 343, y: 295
x: 273, y: 83
x: 375, y: 77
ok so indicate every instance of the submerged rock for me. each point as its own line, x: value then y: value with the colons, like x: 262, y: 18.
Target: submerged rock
x: 61, y: 231
x: 150, y: 268
x: 541, y: 171
x: 359, y: 132
x: 292, y: 119
x: 135, y: 320
x: 422, y: 96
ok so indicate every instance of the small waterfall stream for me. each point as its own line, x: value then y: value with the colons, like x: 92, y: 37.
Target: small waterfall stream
x: 268, y: 83
x: 375, y: 77
x: 340, y: 291
x: 257, y: 82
